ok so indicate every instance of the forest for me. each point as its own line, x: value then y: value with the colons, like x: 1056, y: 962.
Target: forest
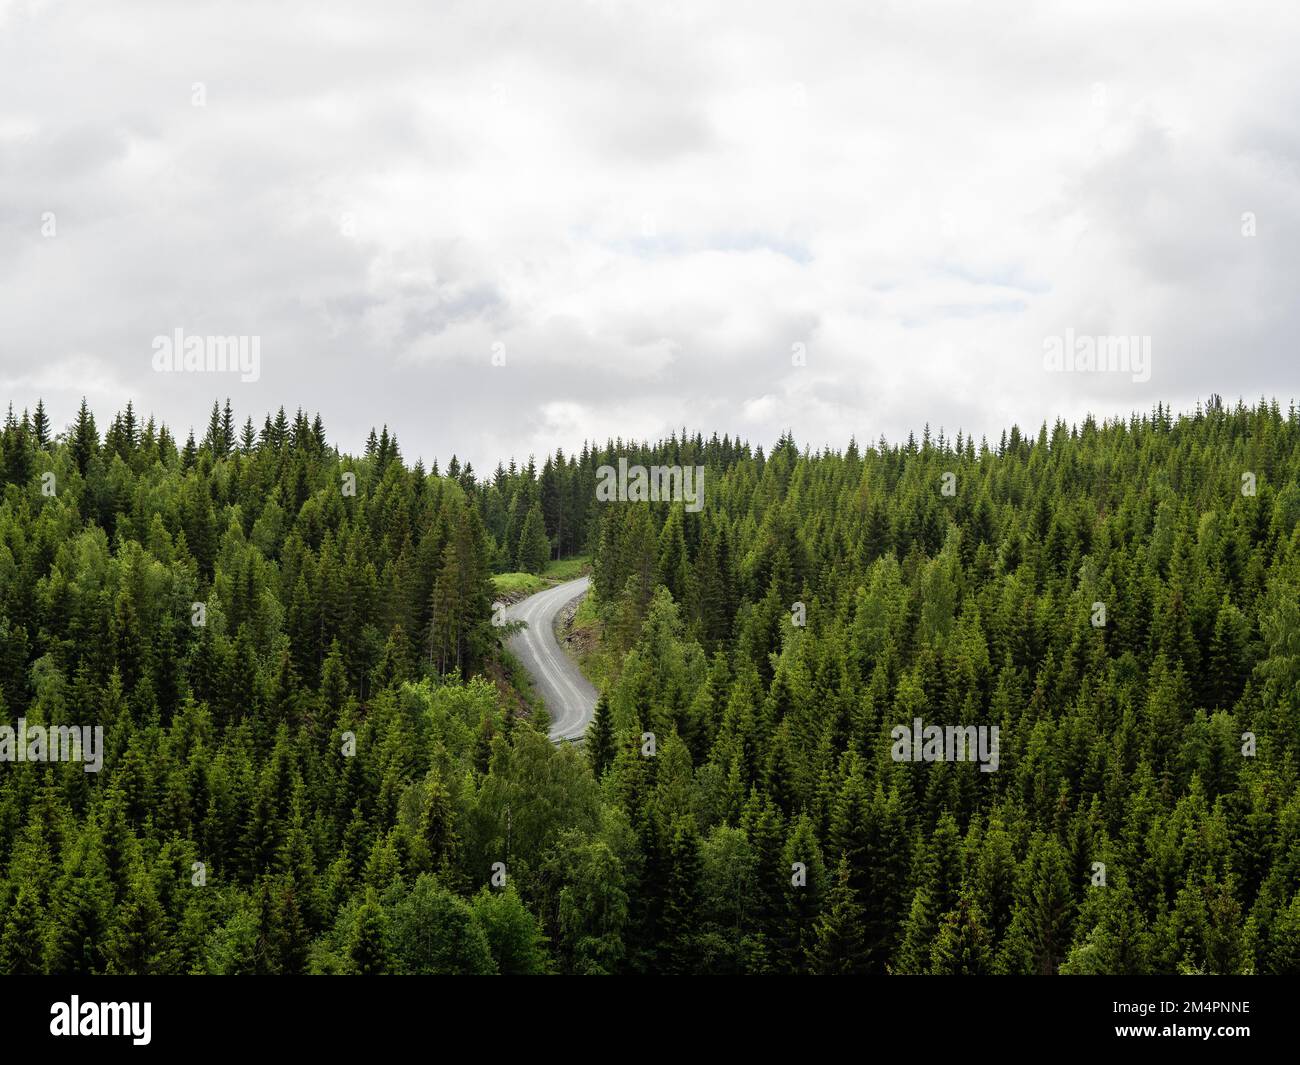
x: 319, y: 757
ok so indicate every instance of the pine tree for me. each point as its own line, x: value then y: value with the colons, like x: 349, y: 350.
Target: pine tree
x: 367, y: 950
x: 41, y: 426
x: 962, y: 947
x: 20, y: 942
x: 1049, y: 904
x: 85, y: 439
x: 600, y: 745
x: 437, y: 825
x: 838, y: 949
x: 139, y: 940
x: 806, y: 887
x: 534, y: 548
x: 214, y: 439
x: 681, y: 911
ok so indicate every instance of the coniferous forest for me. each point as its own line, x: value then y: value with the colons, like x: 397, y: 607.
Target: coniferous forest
x: 319, y: 756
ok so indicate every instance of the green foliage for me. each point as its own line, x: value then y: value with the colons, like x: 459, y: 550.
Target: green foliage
x: 534, y: 547
x: 337, y: 750
x: 513, y: 934
x: 434, y: 932
x: 817, y: 600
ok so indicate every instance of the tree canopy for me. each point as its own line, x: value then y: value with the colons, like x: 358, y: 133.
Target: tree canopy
x: 316, y: 759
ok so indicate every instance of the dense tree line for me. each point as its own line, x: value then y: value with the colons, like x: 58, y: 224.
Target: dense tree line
x: 1121, y: 600
x: 323, y: 769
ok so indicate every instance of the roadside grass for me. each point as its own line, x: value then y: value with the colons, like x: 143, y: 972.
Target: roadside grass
x: 515, y: 586
x: 518, y: 694
x: 596, y: 663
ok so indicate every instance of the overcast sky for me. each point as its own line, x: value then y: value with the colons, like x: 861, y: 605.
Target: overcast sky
x: 647, y: 209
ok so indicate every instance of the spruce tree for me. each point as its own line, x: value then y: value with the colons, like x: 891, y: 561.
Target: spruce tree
x: 367, y: 949
x: 838, y: 948
x: 534, y: 548
x: 600, y: 745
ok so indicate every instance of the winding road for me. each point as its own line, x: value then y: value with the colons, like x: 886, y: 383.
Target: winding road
x: 569, y: 696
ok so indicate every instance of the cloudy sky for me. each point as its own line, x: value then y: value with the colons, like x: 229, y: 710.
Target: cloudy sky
x: 837, y: 218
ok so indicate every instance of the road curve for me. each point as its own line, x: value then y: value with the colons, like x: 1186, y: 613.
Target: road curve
x: 570, y: 699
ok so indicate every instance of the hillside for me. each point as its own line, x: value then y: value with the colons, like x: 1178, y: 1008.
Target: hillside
x: 305, y: 767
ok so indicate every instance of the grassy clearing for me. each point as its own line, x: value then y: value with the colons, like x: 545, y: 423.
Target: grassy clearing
x: 518, y: 585
x: 514, y: 586
x: 568, y: 569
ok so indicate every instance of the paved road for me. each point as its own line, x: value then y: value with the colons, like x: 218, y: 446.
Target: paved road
x: 568, y: 695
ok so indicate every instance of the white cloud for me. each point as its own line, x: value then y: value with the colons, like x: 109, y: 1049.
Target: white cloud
x: 647, y: 206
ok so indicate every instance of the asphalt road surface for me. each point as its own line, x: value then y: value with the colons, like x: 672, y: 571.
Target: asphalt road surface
x: 570, y: 699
